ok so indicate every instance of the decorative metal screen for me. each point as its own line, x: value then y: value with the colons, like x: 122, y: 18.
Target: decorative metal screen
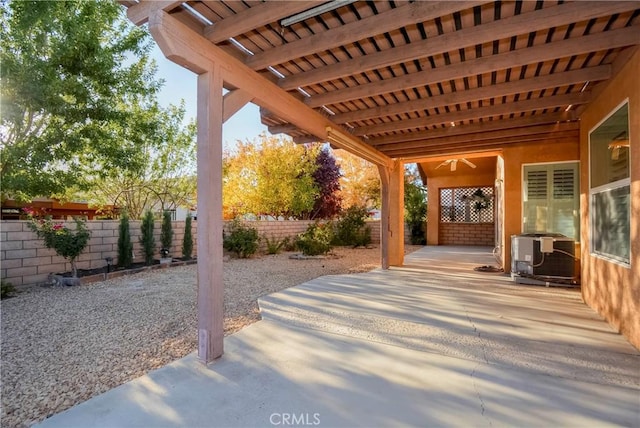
x: 466, y: 205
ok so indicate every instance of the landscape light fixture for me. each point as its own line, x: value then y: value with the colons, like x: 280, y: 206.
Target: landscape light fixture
x: 318, y: 10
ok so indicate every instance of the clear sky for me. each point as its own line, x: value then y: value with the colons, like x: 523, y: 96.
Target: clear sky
x: 180, y: 83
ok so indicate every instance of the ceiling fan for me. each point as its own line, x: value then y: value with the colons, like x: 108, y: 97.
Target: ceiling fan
x: 621, y: 141
x: 454, y: 163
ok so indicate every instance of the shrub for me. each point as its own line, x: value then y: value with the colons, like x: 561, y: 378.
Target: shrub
x: 147, y: 239
x: 187, y: 241
x: 349, y: 228
x: 125, y: 246
x: 242, y: 240
x: 66, y: 242
x: 316, y: 239
x: 363, y: 237
x: 166, y: 234
x: 6, y: 289
x: 291, y: 244
x: 275, y: 245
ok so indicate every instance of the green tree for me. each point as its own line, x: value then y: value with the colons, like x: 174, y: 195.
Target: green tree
x: 166, y: 233
x: 125, y: 246
x: 415, y: 206
x: 163, y: 174
x: 71, y: 72
x: 187, y: 240
x: 269, y: 176
x: 147, y: 240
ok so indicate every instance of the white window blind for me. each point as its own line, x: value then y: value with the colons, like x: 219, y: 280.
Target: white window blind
x: 551, y: 201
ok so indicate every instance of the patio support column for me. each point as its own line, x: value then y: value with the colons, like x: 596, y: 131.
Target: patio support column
x: 392, y: 221
x: 210, y: 285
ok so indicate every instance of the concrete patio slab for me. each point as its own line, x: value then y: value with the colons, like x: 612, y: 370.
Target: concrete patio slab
x: 430, y: 344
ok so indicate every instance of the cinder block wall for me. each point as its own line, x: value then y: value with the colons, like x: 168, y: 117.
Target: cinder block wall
x: 24, y: 260
x: 476, y: 234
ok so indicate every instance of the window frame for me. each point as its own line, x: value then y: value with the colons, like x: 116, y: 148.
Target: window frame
x: 625, y: 182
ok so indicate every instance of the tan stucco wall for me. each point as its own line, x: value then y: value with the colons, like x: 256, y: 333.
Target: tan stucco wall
x: 514, y: 157
x: 461, y: 179
x: 612, y: 289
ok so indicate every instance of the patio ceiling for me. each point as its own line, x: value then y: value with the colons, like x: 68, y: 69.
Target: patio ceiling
x: 419, y: 79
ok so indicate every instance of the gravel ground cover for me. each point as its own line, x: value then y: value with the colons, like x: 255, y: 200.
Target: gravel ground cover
x: 62, y: 346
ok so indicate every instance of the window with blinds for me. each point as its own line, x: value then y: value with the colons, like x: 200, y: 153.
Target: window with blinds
x: 551, y: 200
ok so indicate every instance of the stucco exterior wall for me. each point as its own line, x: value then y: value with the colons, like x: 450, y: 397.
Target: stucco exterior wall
x: 612, y: 289
x: 514, y: 157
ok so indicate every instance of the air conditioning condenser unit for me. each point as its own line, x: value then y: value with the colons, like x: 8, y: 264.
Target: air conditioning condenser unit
x: 543, y: 255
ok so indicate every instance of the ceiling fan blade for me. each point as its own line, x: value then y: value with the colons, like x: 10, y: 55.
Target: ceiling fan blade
x: 454, y: 162
x: 471, y: 164
x: 615, y: 154
x: 447, y: 162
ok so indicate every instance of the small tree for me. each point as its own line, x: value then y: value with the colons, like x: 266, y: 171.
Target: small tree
x: 187, y: 241
x: 66, y: 242
x: 125, y: 246
x: 166, y: 234
x: 147, y: 240
x: 328, y: 202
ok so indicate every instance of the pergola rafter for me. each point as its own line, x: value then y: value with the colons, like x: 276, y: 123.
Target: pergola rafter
x: 504, y: 28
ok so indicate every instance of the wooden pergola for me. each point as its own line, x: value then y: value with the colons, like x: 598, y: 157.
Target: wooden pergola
x: 390, y: 81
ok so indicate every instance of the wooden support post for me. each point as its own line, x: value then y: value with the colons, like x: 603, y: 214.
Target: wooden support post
x: 210, y: 285
x: 384, y: 216
x: 392, y: 222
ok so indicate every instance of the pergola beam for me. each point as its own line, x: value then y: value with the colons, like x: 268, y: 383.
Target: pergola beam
x: 190, y: 49
x: 457, y: 140
x: 566, y: 78
x: 519, y: 24
x: 441, y: 158
x: 494, y: 125
x: 565, y: 48
x: 396, y: 18
x: 477, y: 113
x: 436, y: 149
x: 234, y: 101
x: 139, y: 13
x: 282, y: 129
x: 255, y: 17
